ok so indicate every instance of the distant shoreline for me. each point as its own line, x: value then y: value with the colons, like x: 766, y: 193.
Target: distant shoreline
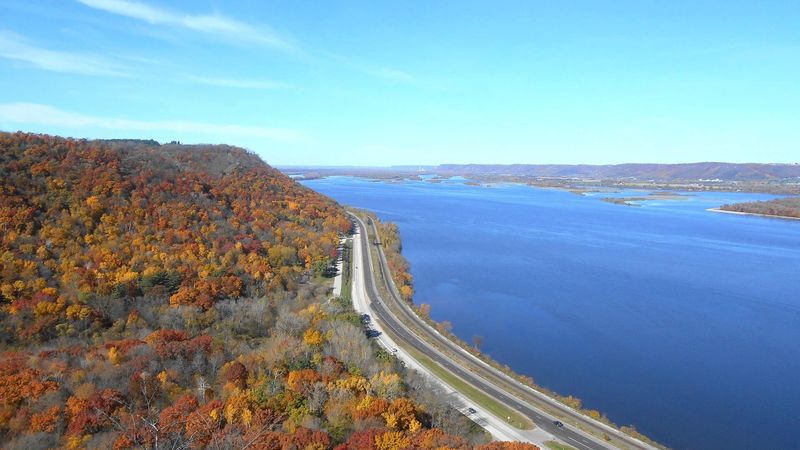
x: 771, y: 216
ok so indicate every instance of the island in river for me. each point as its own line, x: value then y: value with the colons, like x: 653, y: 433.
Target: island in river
x: 636, y: 201
x: 786, y: 208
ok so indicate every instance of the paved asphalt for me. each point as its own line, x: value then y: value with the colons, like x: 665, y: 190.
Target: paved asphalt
x: 542, y: 419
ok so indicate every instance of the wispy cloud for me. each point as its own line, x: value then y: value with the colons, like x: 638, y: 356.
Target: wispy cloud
x: 237, y: 83
x: 211, y: 24
x: 38, y: 114
x: 391, y: 74
x: 15, y: 47
x: 386, y: 73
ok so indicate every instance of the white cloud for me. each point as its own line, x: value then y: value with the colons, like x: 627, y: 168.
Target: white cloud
x: 221, y: 26
x: 237, y: 83
x: 14, y: 47
x: 45, y: 115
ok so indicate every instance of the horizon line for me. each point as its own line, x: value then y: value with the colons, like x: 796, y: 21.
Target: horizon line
x: 411, y: 166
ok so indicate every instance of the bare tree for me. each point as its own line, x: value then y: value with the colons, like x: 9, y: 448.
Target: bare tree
x: 439, y: 406
x: 348, y: 344
x: 317, y: 398
x: 290, y: 324
x: 477, y: 341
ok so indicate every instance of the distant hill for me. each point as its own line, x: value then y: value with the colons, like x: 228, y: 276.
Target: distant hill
x: 647, y: 172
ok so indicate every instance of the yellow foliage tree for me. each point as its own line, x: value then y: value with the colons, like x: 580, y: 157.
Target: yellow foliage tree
x: 237, y: 408
x: 313, y: 338
x: 400, y: 414
x: 78, y: 312
x: 392, y: 440
x: 114, y: 356
x: 386, y: 385
x: 354, y: 383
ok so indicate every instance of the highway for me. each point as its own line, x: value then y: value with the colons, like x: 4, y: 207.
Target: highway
x: 541, y: 409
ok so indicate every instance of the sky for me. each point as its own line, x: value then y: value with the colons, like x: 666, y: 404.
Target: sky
x: 378, y: 83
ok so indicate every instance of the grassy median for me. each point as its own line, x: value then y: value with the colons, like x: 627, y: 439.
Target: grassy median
x: 347, y: 272
x: 553, y: 445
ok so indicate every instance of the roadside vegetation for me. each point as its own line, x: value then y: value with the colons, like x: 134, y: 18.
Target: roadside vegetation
x: 178, y: 297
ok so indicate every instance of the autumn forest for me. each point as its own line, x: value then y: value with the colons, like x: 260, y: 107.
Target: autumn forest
x: 168, y: 296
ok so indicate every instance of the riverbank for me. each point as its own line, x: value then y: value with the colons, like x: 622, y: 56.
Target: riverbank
x: 741, y: 213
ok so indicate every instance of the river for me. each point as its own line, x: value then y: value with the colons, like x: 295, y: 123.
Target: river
x: 681, y: 321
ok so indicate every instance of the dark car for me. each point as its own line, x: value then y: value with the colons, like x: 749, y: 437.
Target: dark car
x: 471, y: 410
x: 558, y: 423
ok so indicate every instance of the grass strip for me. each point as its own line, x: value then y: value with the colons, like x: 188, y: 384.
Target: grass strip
x: 347, y: 282
x: 553, y: 445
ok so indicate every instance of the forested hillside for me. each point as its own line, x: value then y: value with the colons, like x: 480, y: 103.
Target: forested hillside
x: 167, y: 296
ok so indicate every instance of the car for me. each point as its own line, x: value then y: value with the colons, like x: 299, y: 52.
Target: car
x: 471, y: 410
x: 370, y: 333
x: 558, y: 423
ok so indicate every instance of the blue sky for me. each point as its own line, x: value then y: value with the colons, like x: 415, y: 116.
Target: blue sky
x: 380, y: 83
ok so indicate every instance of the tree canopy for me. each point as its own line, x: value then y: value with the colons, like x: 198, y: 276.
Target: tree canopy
x: 169, y: 296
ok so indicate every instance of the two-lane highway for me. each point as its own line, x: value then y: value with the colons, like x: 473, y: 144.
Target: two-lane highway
x: 477, y: 373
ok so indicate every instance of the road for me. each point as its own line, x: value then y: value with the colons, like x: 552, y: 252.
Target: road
x: 457, y: 361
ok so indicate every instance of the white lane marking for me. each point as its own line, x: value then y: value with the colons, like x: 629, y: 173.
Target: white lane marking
x: 577, y: 443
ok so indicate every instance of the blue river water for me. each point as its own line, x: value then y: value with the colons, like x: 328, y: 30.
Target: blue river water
x: 681, y: 321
